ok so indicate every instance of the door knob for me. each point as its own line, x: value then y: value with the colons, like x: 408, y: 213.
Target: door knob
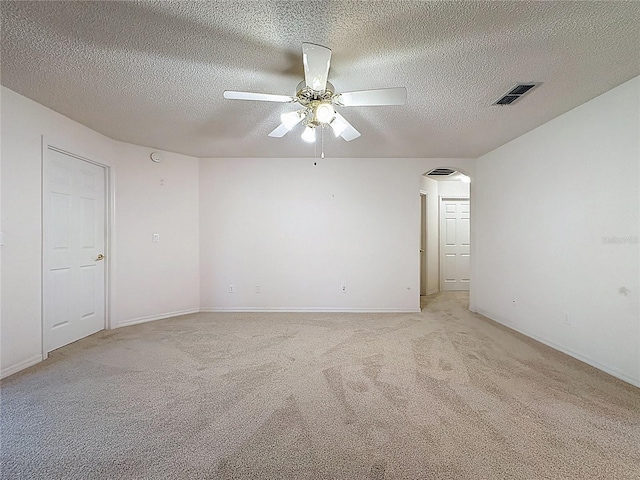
x: 100, y: 257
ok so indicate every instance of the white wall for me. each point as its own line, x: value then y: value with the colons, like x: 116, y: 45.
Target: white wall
x: 557, y: 225
x: 453, y: 189
x: 299, y: 231
x: 148, y: 281
x: 156, y: 280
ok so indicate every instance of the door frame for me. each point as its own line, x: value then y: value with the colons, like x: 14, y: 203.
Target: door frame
x: 108, y: 220
x: 443, y: 198
x: 424, y: 266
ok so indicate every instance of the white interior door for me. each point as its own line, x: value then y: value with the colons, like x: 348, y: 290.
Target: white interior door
x: 455, y: 235
x: 73, y: 249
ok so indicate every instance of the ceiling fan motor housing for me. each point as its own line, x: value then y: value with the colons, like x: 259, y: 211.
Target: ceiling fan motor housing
x: 305, y: 96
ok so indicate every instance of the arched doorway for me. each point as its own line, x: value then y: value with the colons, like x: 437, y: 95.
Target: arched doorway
x: 445, y: 197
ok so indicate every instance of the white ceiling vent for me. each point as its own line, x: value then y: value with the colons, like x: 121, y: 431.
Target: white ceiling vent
x: 440, y: 172
x: 516, y: 92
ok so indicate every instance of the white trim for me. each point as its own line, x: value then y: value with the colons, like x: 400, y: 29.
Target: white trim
x: 433, y: 290
x: 110, y: 244
x: 424, y: 253
x: 20, y: 366
x: 589, y: 361
x: 43, y: 175
x: 151, y: 318
x: 308, y: 310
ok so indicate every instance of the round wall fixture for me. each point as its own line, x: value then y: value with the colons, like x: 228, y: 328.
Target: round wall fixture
x: 155, y: 156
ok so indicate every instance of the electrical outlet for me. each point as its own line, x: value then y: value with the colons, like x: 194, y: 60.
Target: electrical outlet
x: 257, y: 288
x: 566, y: 319
x: 232, y: 289
x: 156, y: 237
x: 343, y: 287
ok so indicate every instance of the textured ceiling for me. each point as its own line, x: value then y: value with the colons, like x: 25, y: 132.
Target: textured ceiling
x: 153, y: 73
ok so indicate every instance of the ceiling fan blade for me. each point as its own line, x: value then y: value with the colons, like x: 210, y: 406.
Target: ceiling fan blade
x: 346, y: 129
x: 261, y: 97
x: 280, y: 131
x: 365, y: 98
x: 316, y: 60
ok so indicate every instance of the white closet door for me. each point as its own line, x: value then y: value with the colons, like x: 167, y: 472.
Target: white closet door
x: 73, y: 249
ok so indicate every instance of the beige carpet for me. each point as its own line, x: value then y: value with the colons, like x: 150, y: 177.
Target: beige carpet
x: 442, y: 394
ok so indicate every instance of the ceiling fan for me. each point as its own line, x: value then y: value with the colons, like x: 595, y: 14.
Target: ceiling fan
x: 318, y: 99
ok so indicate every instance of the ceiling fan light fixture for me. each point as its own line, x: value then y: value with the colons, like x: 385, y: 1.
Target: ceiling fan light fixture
x: 318, y: 98
x: 325, y: 113
x: 309, y: 134
x: 291, y: 119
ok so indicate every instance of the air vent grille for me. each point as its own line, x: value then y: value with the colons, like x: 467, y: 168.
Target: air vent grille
x: 507, y: 100
x: 440, y: 172
x: 516, y: 92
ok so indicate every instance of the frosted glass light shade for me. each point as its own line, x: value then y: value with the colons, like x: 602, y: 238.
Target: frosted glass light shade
x: 309, y: 135
x: 325, y: 113
x: 338, y: 126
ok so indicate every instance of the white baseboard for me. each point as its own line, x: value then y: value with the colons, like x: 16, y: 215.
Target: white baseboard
x: 433, y: 290
x: 589, y: 361
x: 5, y: 372
x: 307, y: 310
x: 151, y: 318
